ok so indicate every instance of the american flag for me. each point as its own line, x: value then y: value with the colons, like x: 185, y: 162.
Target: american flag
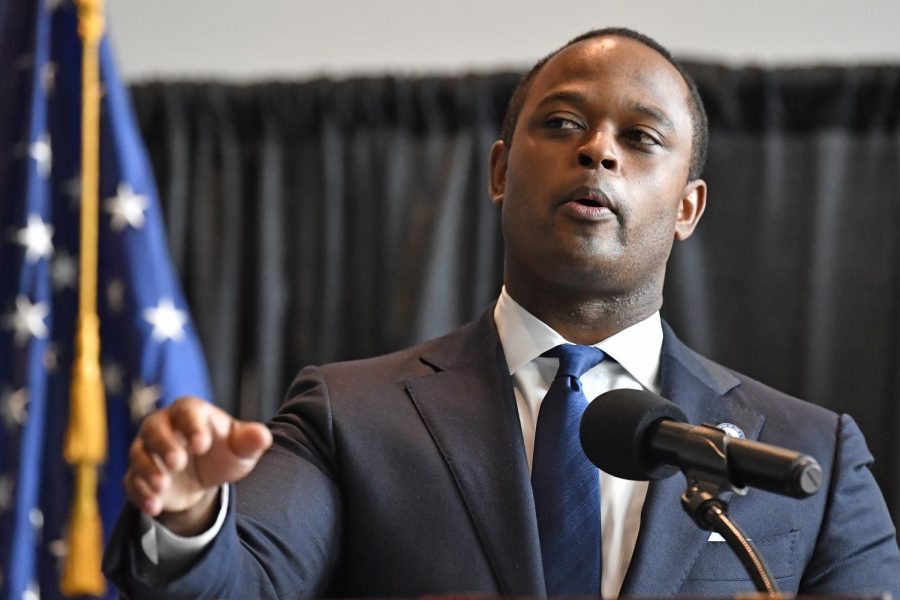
x: 150, y: 353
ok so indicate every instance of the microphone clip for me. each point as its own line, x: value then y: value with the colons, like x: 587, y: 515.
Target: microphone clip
x: 708, y: 466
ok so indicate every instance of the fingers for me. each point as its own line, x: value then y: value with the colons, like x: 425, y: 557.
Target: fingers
x: 183, y: 451
x: 186, y: 427
x: 145, y: 480
x: 193, y: 419
x: 146, y: 467
x: 141, y: 494
x: 162, y: 449
x: 162, y: 441
x: 249, y: 440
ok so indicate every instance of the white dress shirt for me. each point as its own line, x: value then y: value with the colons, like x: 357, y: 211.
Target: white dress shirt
x: 524, y: 338
x: 636, y: 351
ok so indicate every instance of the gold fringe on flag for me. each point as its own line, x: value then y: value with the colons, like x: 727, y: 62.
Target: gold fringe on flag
x: 86, y: 436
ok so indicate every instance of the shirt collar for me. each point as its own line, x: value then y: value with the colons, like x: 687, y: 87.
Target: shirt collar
x: 524, y: 337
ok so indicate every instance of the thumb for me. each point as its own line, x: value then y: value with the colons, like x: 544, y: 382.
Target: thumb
x: 248, y: 440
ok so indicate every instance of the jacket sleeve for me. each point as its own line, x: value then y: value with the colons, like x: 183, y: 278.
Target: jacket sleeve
x: 856, y: 552
x: 281, y: 535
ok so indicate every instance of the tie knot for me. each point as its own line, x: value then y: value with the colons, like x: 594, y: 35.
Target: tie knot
x: 574, y: 360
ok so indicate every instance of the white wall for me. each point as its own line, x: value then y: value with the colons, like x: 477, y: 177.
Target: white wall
x: 253, y: 39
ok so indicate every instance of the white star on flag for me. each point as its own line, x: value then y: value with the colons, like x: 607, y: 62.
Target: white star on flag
x: 113, y: 377
x: 28, y: 319
x: 40, y: 151
x: 48, y: 76
x: 33, y: 592
x: 72, y: 188
x: 64, y: 271
x: 37, y: 237
x: 143, y: 400
x: 50, y: 360
x: 59, y: 549
x: 14, y: 407
x: 168, y: 322
x: 115, y: 295
x: 36, y: 517
x: 126, y: 208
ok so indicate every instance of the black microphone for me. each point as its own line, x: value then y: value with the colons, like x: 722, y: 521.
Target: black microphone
x: 636, y: 434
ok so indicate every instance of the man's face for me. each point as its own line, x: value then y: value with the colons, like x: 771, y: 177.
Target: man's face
x: 594, y: 187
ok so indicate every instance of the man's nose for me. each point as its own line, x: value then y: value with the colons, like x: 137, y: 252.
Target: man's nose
x: 599, y: 151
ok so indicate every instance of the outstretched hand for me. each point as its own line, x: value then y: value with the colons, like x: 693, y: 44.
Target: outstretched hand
x: 182, y: 454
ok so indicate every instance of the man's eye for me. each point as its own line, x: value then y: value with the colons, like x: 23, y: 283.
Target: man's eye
x: 563, y: 123
x: 642, y: 138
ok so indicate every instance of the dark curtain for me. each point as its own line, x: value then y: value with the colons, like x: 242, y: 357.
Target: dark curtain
x: 330, y: 220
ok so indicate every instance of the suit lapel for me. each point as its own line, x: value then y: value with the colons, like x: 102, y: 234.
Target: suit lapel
x: 469, y: 408
x: 669, y: 542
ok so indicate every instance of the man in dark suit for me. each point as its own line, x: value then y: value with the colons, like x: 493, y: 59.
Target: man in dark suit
x: 409, y: 474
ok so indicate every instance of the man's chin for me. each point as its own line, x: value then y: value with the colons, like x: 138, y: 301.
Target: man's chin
x: 595, y: 259
x: 588, y: 272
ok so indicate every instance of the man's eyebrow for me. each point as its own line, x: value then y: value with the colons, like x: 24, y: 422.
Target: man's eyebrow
x: 654, y: 113
x: 562, y: 96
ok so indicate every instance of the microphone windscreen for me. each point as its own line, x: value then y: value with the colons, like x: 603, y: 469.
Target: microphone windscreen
x: 613, y: 431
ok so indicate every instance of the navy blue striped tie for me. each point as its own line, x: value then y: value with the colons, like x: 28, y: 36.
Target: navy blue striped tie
x: 566, y: 485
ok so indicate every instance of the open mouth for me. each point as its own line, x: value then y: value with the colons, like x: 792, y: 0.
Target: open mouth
x: 589, y: 202
x: 589, y: 198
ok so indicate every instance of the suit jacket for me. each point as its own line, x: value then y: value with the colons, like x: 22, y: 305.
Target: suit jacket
x: 405, y: 475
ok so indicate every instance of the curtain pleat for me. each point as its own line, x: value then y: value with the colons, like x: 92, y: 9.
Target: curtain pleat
x: 330, y: 220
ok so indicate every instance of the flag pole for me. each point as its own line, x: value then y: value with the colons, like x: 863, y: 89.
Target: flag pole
x: 86, y: 436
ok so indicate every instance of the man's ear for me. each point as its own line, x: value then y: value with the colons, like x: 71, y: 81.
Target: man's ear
x: 497, y: 181
x: 693, y: 203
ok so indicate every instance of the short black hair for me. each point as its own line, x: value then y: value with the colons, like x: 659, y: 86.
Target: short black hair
x: 699, y: 123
